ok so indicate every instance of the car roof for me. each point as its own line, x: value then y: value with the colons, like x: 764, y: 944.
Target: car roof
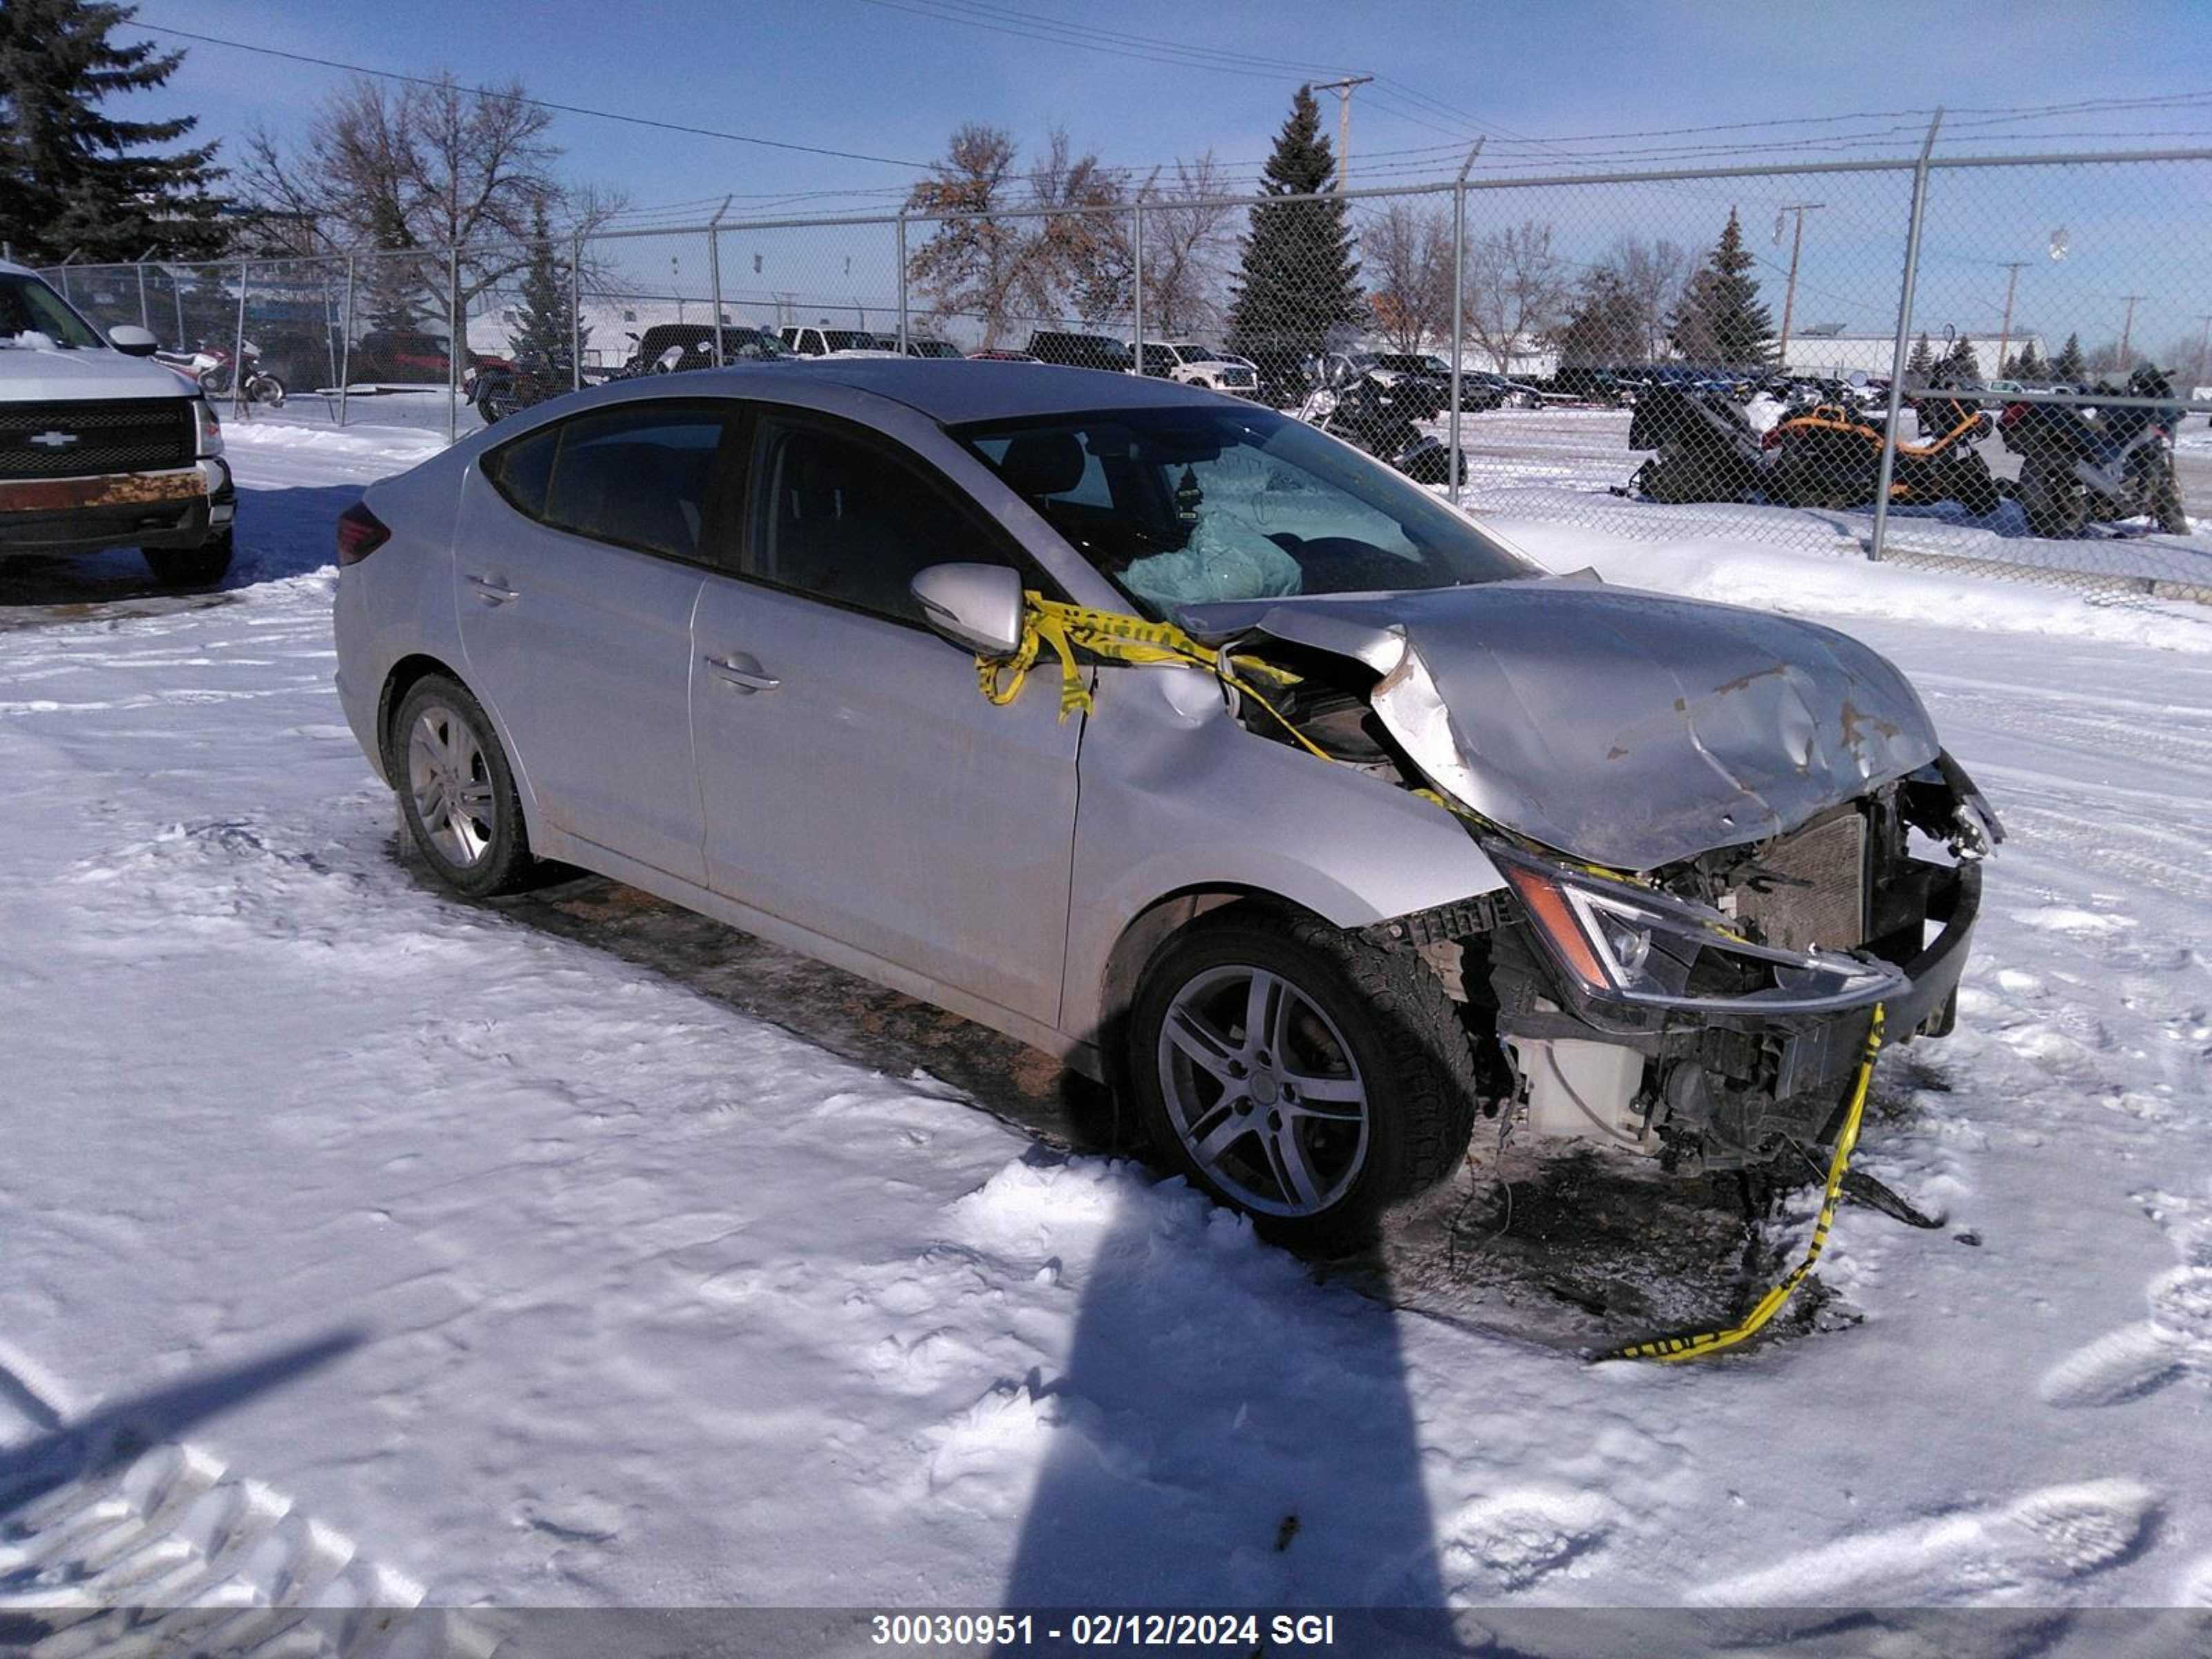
x: 952, y: 391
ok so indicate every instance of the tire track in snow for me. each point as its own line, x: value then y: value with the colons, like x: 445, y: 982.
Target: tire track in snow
x: 173, y: 1552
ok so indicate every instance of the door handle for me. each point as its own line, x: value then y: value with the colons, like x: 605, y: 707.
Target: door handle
x: 492, y: 591
x: 736, y: 673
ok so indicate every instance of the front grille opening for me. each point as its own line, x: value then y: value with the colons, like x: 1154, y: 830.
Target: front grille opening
x: 85, y: 440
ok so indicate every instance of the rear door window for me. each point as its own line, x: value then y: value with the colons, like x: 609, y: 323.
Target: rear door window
x: 643, y: 476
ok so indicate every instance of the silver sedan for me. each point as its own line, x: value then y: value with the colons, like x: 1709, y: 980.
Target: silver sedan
x: 1623, y: 867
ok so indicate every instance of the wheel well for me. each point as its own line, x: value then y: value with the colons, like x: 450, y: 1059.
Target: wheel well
x: 1140, y: 941
x: 396, y: 685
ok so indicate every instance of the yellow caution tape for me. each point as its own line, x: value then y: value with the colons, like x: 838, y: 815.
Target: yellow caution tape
x: 1119, y: 638
x: 1670, y: 1350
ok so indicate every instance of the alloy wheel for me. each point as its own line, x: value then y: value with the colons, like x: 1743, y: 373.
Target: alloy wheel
x: 451, y: 783
x: 1263, y: 1090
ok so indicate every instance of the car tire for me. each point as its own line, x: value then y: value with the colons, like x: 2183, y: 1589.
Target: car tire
x: 1373, y: 1027
x: 456, y: 789
x: 190, y: 567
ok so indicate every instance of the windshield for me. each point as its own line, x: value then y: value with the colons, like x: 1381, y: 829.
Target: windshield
x: 749, y: 345
x: 932, y: 348
x: 845, y: 339
x: 27, y: 306
x: 1185, y: 506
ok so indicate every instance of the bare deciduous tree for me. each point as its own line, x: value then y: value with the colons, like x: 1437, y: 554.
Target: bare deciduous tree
x: 1077, y: 254
x: 1406, y: 258
x: 1516, y: 290
x: 417, y: 167
x: 1186, y: 244
x: 1650, y: 278
x: 971, y: 264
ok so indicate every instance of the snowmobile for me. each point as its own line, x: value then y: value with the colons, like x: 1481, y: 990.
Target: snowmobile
x: 1830, y: 455
x: 1707, y: 450
x: 531, y: 378
x: 1360, y: 408
x: 2077, y: 465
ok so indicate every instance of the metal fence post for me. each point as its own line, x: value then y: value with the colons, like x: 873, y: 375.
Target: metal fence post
x: 715, y: 279
x: 455, y: 345
x: 345, y: 343
x: 143, y: 316
x: 177, y: 296
x: 901, y: 279
x: 238, y: 349
x: 1137, y: 275
x: 1452, y: 463
x: 1897, y: 354
x: 576, y: 313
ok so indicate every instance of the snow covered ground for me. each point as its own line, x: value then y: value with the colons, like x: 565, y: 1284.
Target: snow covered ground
x: 471, y: 1261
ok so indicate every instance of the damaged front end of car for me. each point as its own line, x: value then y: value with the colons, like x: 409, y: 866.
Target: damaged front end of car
x: 1724, y: 839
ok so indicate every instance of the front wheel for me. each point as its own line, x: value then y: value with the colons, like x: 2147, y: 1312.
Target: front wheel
x: 456, y: 789
x: 266, y: 389
x: 1298, y: 1072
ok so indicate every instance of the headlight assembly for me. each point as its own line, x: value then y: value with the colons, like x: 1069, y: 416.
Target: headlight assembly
x: 1619, y: 943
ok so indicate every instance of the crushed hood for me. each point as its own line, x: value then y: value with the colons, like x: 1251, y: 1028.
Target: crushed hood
x: 1628, y: 729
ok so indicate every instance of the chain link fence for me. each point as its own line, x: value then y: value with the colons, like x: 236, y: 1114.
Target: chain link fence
x: 1993, y: 365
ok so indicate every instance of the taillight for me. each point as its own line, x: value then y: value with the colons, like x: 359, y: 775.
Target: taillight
x: 2013, y: 414
x: 361, y: 532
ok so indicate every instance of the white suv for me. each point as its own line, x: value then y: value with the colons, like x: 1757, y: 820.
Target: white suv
x: 809, y: 340
x: 1193, y: 364
x: 99, y: 448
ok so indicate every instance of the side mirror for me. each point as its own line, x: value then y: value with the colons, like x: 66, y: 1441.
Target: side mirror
x: 976, y: 606
x: 132, y: 341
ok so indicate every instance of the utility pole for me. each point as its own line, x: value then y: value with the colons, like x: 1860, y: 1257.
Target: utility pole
x: 2004, y: 330
x: 2203, y: 346
x: 1343, y: 91
x: 1789, y: 293
x: 2127, y: 328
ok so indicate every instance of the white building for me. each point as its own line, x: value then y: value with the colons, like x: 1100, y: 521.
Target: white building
x: 1828, y: 351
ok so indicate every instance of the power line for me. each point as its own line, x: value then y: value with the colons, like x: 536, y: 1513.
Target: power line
x: 536, y: 103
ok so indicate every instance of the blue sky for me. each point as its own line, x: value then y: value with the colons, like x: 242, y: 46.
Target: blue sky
x: 879, y: 77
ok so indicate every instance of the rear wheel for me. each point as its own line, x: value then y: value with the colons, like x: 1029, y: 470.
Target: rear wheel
x: 1298, y: 1072
x: 456, y: 789
x: 190, y: 566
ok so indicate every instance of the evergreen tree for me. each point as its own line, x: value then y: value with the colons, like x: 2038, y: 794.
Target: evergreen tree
x: 1720, y: 320
x: 1299, y: 279
x: 2027, y: 364
x: 1960, y: 362
x: 1921, y: 363
x: 541, y: 328
x: 75, y: 180
x: 1606, y: 325
x: 2070, y: 365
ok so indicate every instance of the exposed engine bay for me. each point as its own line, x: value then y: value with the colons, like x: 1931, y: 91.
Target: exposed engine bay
x: 1708, y: 1006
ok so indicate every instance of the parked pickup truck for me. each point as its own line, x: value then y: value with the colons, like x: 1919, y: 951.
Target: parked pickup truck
x: 1193, y: 364
x: 100, y: 447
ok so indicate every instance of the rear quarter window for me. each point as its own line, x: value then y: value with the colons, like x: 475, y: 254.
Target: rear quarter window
x: 522, y: 470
